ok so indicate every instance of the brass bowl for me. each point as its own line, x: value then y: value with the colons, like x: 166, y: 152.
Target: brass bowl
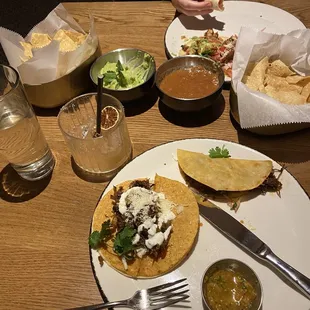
x: 58, y: 92
x: 241, y: 268
x: 124, y: 55
x: 183, y: 104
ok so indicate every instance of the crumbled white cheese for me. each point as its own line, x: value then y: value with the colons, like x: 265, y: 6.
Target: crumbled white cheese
x: 152, y: 230
x: 165, y: 218
x: 135, y: 203
x: 167, y: 232
x: 141, y: 252
x: 124, y: 263
x: 137, y: 199
x: 147, y: 224
x: 157, y: 239
x: 136, y: 239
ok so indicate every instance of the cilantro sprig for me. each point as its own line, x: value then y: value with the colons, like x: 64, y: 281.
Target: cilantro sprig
x: 123, y: 242
x: 219, y: 152
x: 99, y: 238
x: 109, y: 77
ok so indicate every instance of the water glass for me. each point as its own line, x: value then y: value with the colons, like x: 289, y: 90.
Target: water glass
x: 104, y: 154
x: 21, y: 139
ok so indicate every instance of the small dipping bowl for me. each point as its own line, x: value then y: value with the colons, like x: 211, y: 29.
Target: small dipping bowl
x: 124, y: 55
x: 239, y: 267
x: 193, y: 104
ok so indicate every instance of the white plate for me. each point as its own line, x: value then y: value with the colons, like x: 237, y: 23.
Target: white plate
x: 283, y: 223
x: 236, y: 14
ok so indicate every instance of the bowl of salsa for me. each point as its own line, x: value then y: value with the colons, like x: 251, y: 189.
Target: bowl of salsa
x: 189, y: 83
x: 231, y: 285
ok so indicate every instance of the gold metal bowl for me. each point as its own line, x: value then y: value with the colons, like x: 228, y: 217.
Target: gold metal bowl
x: 58, y: 92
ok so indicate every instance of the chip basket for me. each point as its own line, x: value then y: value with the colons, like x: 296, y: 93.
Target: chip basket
x: 264, y: 130
x: 58, y: 92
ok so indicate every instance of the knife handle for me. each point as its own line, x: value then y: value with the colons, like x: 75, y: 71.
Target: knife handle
x: 294, y: 276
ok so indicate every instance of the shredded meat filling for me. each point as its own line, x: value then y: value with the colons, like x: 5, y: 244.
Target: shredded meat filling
x: 123, y: 220
x: 141, y: 183
x: 117, y: 193
x: 271, y: 184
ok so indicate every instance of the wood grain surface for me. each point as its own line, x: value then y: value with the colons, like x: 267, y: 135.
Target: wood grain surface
x: 44, y: 227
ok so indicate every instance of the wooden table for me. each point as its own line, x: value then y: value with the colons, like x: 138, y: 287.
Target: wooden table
x: 44, y: 253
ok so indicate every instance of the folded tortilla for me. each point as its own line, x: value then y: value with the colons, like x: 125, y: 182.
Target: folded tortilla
x: 218, y: 5
x: 185, y: 227
x: 224, y: 174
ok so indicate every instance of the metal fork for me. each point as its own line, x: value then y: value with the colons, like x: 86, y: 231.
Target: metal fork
x: 153, y: 298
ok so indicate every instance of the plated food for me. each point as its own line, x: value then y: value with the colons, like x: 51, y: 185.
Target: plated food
x: 218, y: 176
x: 261, y: 213
x: 68, y: 41
x: 190, y: 82
x: 212, y: 45
x: 144, y: 230
x: 277, y: 80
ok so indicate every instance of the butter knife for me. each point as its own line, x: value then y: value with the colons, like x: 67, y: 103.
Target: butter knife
x: 233, y: 229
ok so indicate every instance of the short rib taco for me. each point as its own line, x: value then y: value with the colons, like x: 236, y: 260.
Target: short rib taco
x: 227, y: 179
x: 144, y: 230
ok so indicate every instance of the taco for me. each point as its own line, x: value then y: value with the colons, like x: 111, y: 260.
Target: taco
x: 146, y: 229
x: 227, y: 179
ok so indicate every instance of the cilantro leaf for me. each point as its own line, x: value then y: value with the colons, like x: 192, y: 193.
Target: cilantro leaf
x: 123, y: 242
x: 109, y: 76
x: 121, y: 79
x: 97, y: 238
x: 119, y: 66
x: 219, y: 152
x: 206, y: 53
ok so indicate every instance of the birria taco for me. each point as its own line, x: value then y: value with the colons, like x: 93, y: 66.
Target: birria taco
x: 144, y: 230
x: 226, y: 178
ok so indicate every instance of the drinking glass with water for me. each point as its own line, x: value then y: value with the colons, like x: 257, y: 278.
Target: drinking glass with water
x: 21, y: 139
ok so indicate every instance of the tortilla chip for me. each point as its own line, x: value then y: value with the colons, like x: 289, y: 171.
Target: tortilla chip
x: 66, y: 43
x: 76, y: 37
x: 256, y: 78
x: 296, y: 79
x: 306, y: 89
x: 39, y: 40
x: 262, y: 89
x: 27, y: 51
x: 279, y: 68
x: 182, y: 238
x: 289, y: 97
x: 280, y: 83
x: 224, y: 174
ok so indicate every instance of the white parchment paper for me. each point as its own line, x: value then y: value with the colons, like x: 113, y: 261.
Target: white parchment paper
x: 48, y: 63
x: 257, y: 109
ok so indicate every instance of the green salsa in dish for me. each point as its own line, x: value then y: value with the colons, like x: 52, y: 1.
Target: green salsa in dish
x: 227, y: 289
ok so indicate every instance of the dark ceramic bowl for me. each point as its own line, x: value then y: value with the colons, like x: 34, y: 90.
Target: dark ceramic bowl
x: 124, y: 55
x: 183, y: 104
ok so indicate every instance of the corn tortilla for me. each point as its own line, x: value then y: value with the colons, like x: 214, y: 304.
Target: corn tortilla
x: 224, y: 174
x: 182, y: 238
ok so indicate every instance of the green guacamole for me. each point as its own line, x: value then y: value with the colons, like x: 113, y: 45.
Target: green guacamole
x: 128, y: 75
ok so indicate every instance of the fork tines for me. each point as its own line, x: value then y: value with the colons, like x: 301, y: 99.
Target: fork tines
x: 166, y: 285
x: 167, y: 294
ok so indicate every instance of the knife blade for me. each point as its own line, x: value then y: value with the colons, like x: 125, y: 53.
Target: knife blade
x: 234, y: 230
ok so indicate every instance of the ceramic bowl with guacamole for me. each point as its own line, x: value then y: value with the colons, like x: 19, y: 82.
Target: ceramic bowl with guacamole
x: 232, y: 285
x: 128, y: 73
